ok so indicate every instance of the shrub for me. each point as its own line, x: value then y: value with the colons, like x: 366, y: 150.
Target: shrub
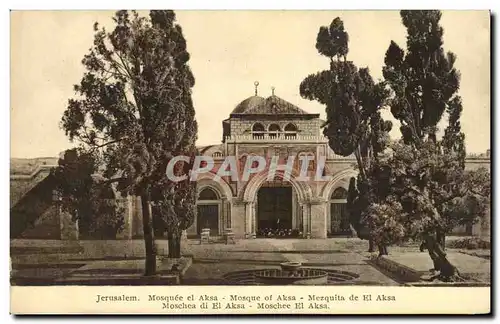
x: 470, y: 243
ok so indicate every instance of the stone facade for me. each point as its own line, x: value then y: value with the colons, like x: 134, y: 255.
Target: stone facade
x: 290, y: 132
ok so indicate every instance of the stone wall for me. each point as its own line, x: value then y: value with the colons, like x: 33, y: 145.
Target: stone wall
x: 476, y: 163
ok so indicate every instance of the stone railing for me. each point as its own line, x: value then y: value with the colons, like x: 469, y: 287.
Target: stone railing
x: 38, y: 169
x: 333, y: 156
x: 276, y: 138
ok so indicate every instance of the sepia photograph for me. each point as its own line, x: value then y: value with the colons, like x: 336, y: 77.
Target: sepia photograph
x: 345, y: 151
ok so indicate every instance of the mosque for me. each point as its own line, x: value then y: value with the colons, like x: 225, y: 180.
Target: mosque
x: 270, y: 127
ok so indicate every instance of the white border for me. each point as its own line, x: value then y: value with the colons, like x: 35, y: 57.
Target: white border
x: 255, y: 4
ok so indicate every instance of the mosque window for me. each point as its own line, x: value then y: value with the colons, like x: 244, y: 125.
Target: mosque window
x: 274, y: 131
x: 290, y: 131
x: 255, y: 163
x: 258, y: 130
x: 208, y: 194
x: 217, y: 154
x: 311, y: 161
x: 339, y: 193
x: 243, y: 161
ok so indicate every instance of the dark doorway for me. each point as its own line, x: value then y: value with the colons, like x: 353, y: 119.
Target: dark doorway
x: 339, y: 220
x: 208, y: 217
x: 274, y: 208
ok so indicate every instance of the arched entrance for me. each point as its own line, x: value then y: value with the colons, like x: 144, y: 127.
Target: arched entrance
x: 339, y: 217
x: 276, y: 209
x: 208, y: 215
x: 296, y: 193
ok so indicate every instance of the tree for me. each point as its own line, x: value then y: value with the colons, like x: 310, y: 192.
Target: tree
x: 134, y: 105
x: 175, y: 207
x: 353, y: 102
x: 409, y: 210
x: 426, y: 174
x: 470, y: 201
x: 85, y: 197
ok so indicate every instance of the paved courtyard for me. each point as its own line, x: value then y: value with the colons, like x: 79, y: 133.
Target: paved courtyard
x: 211, y: 262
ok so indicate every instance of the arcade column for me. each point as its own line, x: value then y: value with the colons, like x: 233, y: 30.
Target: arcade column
x: 306, y: 220
x: 250, y: 221
x: 318, y: 219
x: 238, y: 218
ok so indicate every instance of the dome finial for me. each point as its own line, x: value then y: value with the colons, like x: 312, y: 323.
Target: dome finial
x: 272, y: 89
x: 256, y: 84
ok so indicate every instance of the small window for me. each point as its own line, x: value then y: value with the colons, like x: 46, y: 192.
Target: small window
x: 243, y: 161
x: 208, y: 194
x: 339, y: 193
x: 217, y: 154
x: 258, y: 130
x: 274, y: 131
x: 311, y: 161
x: 290, y: 128
x: 255, y: 164
x: 258, y: 127
x: 290, y: 131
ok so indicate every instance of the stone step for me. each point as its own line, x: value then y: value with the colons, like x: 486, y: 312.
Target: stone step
x: 43, y: 258
x: 19, y: 250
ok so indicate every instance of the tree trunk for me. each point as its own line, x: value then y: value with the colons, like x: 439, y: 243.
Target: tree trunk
x: 371, y: 246
x: 447, y: 271
x: 441, y: 239
x: 174, y: 245
x: 435, y: 246
x: 382, y: 250
x: 149, y: 238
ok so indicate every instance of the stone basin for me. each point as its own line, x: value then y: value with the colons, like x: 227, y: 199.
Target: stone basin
x: 298, y: 276
x: 290, y: 266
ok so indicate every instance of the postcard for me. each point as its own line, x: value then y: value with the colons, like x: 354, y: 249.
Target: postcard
x: 261, y: 162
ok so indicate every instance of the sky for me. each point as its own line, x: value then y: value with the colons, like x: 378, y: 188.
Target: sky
x: 230, y: 50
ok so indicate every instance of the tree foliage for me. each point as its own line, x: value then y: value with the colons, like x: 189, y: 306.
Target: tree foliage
x: 409, y: 207
x: 353, y: 102
x: 429, y: 192
x: 85, y: 198
x: 424, y: 78
x: 133, y: 106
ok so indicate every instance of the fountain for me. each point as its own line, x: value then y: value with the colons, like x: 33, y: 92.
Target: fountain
x: 291, y: 273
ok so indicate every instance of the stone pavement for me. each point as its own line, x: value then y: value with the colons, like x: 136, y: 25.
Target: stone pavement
x: 468, y: 265
x: 212, y: 261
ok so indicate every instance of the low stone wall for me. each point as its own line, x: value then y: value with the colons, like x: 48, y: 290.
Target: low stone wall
x: 402, y: 272
x: 119, y: 248
x: 87, y: 249
x: 448, y: 284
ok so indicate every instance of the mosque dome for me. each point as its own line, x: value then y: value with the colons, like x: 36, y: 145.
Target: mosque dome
x: 248, y: 104
x: 272, y: 105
